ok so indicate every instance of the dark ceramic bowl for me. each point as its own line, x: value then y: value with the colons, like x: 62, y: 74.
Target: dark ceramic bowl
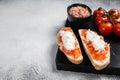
x: 78, y: 20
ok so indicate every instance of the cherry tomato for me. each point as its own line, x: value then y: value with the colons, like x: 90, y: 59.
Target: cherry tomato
x: 113, y: 12
x: 117, y: 29
x: 116, y: 19
x: 119, y: 14
x: 106, y: 28
x: 98, y: 12
x: 101, y: 18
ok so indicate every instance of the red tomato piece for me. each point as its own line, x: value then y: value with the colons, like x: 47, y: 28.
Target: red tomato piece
x: 116, y: 19
x: 98, y: 12
x: 101, y: 18
x: 106, y: 28
x: 113, y: 12
x: 117, y: 29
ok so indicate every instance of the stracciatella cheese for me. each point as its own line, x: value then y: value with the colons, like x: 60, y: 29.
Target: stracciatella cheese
x: 98, y: 43
x: 68, y: 39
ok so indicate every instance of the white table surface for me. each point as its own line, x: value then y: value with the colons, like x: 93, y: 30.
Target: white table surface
x: 28, y: 46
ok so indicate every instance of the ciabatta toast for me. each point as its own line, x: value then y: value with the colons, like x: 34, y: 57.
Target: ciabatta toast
x: 96, y: 48
x: 69, y: 45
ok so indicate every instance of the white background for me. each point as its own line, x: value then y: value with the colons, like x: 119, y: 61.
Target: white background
x: 28, y: 46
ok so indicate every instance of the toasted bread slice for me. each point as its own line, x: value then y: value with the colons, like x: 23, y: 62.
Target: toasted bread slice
x: 99, y: 56
x: 69, y: 45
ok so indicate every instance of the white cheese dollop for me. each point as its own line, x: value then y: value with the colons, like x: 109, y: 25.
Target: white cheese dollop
x: 98, y: 43
x: 68, y: 39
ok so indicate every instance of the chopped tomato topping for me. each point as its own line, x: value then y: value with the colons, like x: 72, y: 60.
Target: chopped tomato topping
x: 60, y: 39
x: 66, y: 29
x: 64, y: 49
x: 98, y: 55
x: 106, y: 48
x: 75, y: 52
x: 84, y: 32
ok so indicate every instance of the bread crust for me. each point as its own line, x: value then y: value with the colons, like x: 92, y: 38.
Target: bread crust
x: 98, y: 65
x: 71, y: 58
